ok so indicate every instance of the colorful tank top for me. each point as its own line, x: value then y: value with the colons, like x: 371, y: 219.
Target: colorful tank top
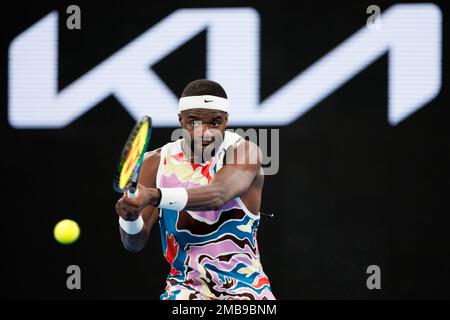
x: 212, y: 254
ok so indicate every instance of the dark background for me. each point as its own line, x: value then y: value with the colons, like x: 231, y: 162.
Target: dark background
x: 351, y: 191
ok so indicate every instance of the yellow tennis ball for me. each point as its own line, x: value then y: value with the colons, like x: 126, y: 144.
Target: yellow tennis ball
x: 66, y: 231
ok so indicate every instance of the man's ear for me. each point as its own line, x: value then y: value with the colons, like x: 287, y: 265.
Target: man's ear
x: 180, y: 118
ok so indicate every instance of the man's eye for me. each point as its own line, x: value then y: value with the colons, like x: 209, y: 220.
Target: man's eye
x: 215, y: 124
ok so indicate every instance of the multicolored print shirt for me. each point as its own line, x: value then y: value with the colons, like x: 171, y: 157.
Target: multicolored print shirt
x: 212, y: 254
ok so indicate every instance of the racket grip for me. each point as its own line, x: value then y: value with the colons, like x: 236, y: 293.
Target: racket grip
x: 132, y: 192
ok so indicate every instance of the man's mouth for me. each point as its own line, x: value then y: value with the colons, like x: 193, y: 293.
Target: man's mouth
x: 207, y: 143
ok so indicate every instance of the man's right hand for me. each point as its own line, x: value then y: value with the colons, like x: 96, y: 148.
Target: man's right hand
x: 125, y: 211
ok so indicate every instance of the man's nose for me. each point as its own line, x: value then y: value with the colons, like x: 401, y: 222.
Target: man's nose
x: 209, y: 133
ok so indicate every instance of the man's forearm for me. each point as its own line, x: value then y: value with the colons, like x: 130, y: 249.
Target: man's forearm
x: 209, y: 197
x: 134, y: 242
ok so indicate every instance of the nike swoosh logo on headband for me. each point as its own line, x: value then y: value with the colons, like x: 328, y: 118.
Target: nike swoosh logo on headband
x: 206, y: 101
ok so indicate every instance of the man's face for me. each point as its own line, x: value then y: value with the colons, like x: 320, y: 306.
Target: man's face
x: 203, y: 125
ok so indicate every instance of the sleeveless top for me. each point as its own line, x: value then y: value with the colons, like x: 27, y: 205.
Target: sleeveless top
x: 212, y: 254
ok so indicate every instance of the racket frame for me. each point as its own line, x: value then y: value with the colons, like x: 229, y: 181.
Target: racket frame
x: 131, y: 186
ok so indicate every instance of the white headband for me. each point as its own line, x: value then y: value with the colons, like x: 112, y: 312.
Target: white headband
x: 204, y: 102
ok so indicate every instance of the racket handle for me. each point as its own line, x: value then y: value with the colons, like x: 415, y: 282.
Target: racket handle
x: 132, y: 192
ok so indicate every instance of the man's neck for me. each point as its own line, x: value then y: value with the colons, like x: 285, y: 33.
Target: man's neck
x: 198, y: 157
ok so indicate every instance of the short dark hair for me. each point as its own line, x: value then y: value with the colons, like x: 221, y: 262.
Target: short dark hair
x: 203, y: 87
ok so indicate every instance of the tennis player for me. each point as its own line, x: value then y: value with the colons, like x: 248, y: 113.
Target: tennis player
x: 207, y: 206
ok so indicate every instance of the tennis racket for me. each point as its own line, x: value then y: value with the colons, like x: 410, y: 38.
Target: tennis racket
x: 127, y: 171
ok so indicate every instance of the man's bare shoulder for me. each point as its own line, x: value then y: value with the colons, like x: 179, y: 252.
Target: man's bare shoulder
x: 249, y: 146
x: 244, y: 152
x: 149, y: 168
x: 151, y: 158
